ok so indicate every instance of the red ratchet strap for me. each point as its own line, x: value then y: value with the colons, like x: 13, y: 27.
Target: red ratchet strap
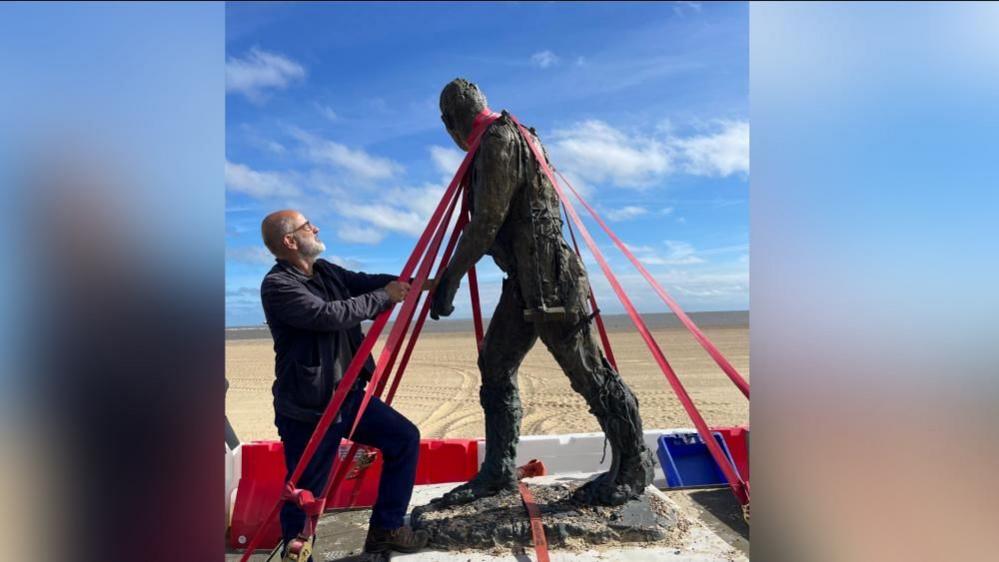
x: 307, y: 503
x: 462, y: 221
x: 421, y: 319
x: 473, y: 284
x: 604, y: 340
x: 481, y: 122
x: 422, y: 316
x: 479, y: 125
x: 739, y: 488
x: 391, y: 350
x: 537, y: 528
x: 694, y: 330
x: 338, y: 473
x: 484, y: 118
x: 405, y: 315
x: 353, y: 370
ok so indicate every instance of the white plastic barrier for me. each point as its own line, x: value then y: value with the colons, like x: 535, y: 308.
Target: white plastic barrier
x: 579, y: 452
x: 233, y: 471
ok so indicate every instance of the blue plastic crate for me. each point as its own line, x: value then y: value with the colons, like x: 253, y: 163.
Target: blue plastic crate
x: 687, y: 462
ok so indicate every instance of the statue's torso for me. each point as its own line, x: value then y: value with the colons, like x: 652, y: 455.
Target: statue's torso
x: 529, y: 246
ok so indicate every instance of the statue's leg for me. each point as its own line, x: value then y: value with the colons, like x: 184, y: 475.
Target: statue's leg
x: 506, y: 342
x: 615, y: 407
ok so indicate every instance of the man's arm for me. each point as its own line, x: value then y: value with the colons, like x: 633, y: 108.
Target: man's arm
x: 359, y: 283
x: 290, y: 302
x: 499, y: 173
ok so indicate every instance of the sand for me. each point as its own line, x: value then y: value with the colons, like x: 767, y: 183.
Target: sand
x: 440, y: 391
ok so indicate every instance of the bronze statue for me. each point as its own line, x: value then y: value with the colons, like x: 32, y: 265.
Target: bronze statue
x: 516, y: 220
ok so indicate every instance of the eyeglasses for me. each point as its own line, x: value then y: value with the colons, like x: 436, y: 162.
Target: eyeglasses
x: 306, y: 224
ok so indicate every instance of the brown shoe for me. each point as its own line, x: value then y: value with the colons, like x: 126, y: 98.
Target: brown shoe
x: 403, y: 539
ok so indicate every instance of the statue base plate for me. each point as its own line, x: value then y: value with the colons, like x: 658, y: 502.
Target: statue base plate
x: 501, y: 521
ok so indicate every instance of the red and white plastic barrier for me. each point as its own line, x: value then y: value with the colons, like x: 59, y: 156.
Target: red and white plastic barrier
x: 262, y: 479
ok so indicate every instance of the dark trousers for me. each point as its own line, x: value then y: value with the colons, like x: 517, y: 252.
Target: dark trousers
x: 381, y: 427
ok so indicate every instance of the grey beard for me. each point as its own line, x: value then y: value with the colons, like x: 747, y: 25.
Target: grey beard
x: 312, y: 250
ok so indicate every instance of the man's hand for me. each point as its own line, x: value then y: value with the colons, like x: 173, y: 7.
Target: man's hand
x: 430, y: 284
x: 443, y: 296
x: 397, y: 290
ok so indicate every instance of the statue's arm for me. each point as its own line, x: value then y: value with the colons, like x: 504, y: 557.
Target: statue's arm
x: 491, y: 199
x: 497, y: 182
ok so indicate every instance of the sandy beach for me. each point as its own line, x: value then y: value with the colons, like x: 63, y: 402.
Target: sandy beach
x: 440, y: 389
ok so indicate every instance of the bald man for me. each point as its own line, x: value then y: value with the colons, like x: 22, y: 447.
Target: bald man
x: 314, y: 310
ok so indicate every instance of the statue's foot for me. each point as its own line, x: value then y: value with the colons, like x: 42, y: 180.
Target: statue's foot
x: 603, y: 490
x: 479, y: 487
x: 616, y: 489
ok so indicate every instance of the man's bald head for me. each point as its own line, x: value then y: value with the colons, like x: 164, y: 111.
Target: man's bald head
x: 275, y: 226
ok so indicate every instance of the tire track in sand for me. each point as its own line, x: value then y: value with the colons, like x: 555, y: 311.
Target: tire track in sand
x: 454, y: 409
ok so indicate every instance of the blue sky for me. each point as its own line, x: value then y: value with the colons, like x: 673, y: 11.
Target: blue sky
x: 332, y: 109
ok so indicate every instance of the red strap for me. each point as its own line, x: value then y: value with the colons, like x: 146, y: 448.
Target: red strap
x: 694, y: 330
x: 604, y: 340
x: 390, y: 349
x: 537, y: 528
x: 483, y: 120
x: 338, y: 473
x: 405, y: 315
x: 350, y: 376
x: 473, y: 291
x: 402, y: 322
x: 425, y: 310
x: 739, y: 488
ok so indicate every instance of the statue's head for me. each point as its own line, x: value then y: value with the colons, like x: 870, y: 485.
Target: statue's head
x: 461, y: 101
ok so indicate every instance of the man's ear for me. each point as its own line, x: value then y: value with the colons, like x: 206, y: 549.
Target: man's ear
x: 288, y: 241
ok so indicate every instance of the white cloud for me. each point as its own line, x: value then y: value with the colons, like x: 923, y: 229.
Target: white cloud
x: 370, y: 210
x: 252, y: 255
x: 360, y: 235
x: 384, y: 216
x: 260, y: 71
x: 723, y: 153
x: 355, y: 161
x: 327, y: 112
x: 242, y: 179
x: 275, y: 147
x: 708, y: 285
x: 666, y: 211
x: 447, y: 160
x: 348, y: 263
x: 636, y: 249
x: 405, y: 210
x: 422, y: 200
x: 679, y: 7
x: 596, y: 152
x: 724, y: 287
x: 626, y: 213
x: 677, y: 253
x: 544, y: 59
x: 681, y: 253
